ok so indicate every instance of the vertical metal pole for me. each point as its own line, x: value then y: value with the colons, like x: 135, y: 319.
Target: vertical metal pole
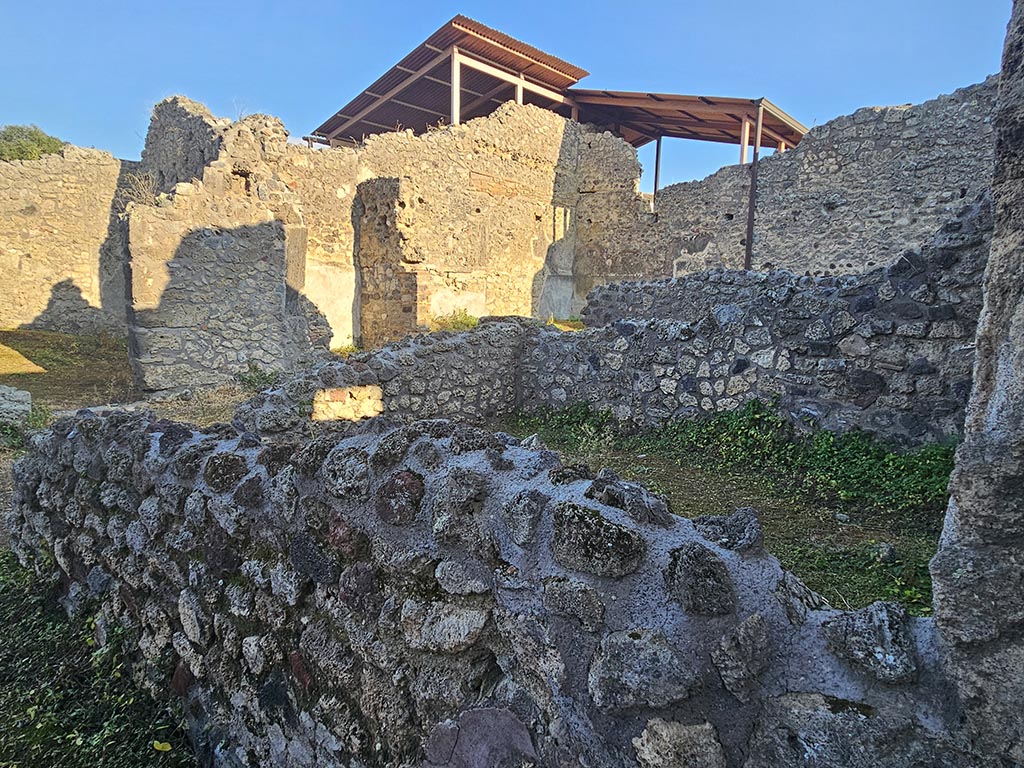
x: 519, y: 89
x: 748, y: 257
x: 456, y: 87
x: 657, y: 171
x: 744, y: 141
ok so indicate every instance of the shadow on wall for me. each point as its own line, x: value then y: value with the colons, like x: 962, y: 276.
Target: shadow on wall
x: 385, y: 306
x: 230, y: 298
x: 553, y: 288
x: 68, y: 311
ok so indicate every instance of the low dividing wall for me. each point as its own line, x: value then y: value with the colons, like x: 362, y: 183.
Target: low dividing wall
x: 438, y: 595
x: 889, y: 352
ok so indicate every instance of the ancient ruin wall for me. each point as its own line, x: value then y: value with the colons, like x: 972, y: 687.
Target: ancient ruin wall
x: 441, y: 595
x: 61, y: 250
x: 889, y: 352
x: 483, y: 220
x: 183, y: 138
x: 856, y: 193
x: 478, y: 217
x: 978, y: 571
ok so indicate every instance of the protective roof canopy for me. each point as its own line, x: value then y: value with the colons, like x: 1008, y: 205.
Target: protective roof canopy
x: 491, y: 68
x: 643, y: 117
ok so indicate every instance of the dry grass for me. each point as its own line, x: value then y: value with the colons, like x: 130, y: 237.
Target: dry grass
x: 64, y: 371
x: 205, y: 407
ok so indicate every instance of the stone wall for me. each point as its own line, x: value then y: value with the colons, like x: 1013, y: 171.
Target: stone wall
x: 439, y: 595
x: 480, y: 217
x: 979, y: 569
x: 61, y: 246
x: 522, y: 212
x: 183, y: 138
x: 472, y: 376
x: 856, y: 193
x: 477, y: 217
x: 888, y: 352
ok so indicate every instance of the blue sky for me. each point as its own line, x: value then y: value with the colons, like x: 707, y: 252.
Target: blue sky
x: 90, y: 72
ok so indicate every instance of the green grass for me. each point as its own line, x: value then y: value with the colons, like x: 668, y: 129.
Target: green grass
x: 827, y: 502
x: 66, y: 702
x: 255, y: 379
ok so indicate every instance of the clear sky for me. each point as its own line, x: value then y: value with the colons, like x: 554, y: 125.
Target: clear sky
x: 90, y: 71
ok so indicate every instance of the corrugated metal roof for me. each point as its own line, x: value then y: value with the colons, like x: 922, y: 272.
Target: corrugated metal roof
x: 416, y: 94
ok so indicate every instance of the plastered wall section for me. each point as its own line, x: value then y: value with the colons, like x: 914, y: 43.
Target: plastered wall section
x: 61, y: 255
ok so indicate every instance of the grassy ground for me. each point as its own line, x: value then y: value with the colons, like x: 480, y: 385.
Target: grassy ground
x: 64, y: 371
x: 828, y: 527
x: 62, y: 701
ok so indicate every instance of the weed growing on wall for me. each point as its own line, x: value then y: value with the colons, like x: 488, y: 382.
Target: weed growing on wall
x: 459, y: 320
x: 255, y: 379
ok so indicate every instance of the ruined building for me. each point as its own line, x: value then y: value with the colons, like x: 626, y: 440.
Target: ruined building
x: 352, y: 573
x: 229, y: 245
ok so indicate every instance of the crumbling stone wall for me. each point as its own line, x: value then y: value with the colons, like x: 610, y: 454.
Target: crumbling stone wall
x: 183, y: 138
x: 979, y: 569
x: 476, y: 217
x: 889, y: 352
x: 441, y: 595
x: 470, y: 376
x: 61, y: 250
x: 856, y: 193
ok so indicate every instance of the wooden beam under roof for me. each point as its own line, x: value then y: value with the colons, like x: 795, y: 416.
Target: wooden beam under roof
x: 389, y: 95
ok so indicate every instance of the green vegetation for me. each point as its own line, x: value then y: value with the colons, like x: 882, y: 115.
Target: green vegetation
x: 459, y: 320
x: 66, y: 702
x: 830, y: 504
x: 10, y: 437
x: 256, y: 379
x: 27, y: 142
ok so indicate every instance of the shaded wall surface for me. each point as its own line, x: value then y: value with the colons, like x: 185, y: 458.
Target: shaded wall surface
x: 979, y: 570
x: 62, y: 254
